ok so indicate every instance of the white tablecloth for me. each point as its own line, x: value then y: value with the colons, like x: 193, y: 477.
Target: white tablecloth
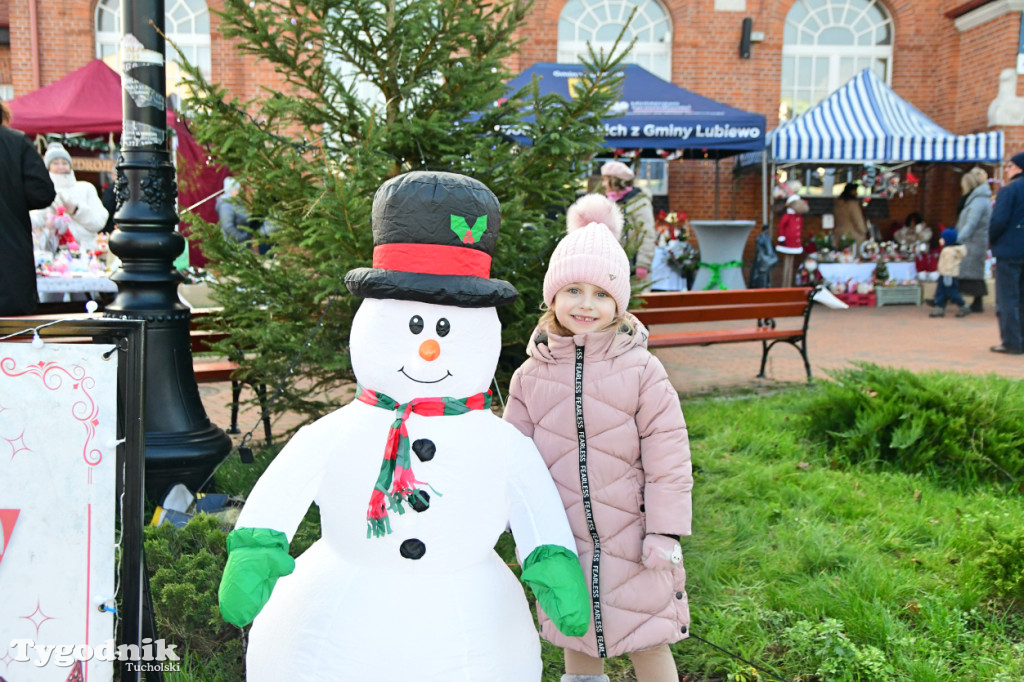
x: 861, y: 272
x: 54, y: 288
x: 664, y: 278
x: 721, y: 242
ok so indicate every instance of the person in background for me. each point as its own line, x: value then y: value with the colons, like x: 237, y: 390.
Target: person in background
x: 24, y: 185
x: 639, y: 235
x: 620, y: 431
x: 231, y: 215
x: 764, y: 260
x: 77, y: 204
x: 947, y: 287
x: 1006, y: 235
x: 850, y: 216
x: 972, y: 231
x: 109, y: 199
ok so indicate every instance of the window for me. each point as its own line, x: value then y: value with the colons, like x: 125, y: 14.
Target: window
x: 826, y: 43
x: 186, y: 22
x: 599, y: 23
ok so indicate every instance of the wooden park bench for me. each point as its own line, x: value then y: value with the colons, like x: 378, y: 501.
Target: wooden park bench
x: 758, y: 309
x: 222, y: 369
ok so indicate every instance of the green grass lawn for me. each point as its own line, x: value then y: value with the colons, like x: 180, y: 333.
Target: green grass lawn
x: 812, y: 556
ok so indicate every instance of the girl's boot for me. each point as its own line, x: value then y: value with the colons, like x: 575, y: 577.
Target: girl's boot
x: 584, y: 678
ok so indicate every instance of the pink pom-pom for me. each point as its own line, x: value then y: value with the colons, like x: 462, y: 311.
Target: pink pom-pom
x: 594, y: 208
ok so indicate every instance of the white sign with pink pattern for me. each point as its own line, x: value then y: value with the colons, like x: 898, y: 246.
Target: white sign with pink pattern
x: 58, y: 424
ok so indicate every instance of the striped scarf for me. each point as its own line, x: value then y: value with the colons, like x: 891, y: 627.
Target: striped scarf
x: 396, y: 483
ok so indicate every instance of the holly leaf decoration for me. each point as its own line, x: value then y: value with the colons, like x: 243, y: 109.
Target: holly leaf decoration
x: 469, y: 235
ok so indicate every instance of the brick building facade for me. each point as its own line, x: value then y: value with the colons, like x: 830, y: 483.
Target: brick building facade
x: 946, y: 59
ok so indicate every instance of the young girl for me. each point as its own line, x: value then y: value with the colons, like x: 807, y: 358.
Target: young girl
x: 607, y: 421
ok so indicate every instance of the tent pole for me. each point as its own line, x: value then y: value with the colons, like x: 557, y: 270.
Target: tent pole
x: 764, y: 188
x: 716, y: 188
x: 924, y: 188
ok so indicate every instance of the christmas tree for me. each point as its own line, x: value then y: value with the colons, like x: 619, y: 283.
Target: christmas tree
x: 371, y: 90
x: 881, y: 274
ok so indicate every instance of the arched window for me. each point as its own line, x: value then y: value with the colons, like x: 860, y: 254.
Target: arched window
x: 186, y: 22
x: 599, y: 23
x: 827, y: 42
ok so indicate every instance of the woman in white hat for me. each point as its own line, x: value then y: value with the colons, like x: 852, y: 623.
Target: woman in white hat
x: 638, y: 235
x: 77, y: 203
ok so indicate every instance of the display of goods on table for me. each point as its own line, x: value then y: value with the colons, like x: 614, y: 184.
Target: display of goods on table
x: 72, y: 262
x: 856, y: 300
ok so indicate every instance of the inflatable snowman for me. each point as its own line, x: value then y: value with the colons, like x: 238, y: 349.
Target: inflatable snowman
x: 415, y: 480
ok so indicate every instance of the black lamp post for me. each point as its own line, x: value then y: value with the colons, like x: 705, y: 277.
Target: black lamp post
x: 181, y: 443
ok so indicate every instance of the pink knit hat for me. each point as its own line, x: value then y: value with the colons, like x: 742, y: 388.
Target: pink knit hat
x: 617, y: 169
x: 590, y: 252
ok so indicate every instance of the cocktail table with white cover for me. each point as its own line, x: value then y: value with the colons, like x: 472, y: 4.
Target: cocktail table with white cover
x: 721, y: 244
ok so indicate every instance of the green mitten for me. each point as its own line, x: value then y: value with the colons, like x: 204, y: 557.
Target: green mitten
x: 555, y: 576
x: 257, y: 557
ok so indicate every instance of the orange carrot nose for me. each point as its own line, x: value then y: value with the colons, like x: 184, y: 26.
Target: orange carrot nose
x: 430, y: 350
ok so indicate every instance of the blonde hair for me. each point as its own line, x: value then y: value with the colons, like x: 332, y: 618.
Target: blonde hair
x: 973, y: 179
x: 5, y: 114
x: 549, y: 323
x: 617, y: 183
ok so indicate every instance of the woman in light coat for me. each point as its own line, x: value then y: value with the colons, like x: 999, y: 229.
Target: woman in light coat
x: 972, y: 231
x: 78, y: 204
x: 607, y: 422
x: 639, y: 236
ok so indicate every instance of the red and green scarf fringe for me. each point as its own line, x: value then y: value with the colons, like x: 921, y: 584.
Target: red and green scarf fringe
x: 396, y: 483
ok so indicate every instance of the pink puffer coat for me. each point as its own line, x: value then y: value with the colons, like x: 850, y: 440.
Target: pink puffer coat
x: 636, y: 460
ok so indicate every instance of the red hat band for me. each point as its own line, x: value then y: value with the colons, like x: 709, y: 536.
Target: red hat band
x: 432, y: 259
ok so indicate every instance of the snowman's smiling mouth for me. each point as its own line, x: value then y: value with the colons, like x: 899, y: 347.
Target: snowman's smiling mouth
x: 420, y: 381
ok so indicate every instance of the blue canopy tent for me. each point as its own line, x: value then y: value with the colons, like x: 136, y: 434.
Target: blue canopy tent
x: 655, y: 114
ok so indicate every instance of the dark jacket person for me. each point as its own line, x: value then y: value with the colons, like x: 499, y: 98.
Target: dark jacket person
x: 24, y: 185
x: 1006, y: 235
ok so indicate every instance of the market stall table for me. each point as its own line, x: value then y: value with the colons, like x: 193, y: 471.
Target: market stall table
x: 60, y: 288
x: 721, y: 245
x: 863, y: 272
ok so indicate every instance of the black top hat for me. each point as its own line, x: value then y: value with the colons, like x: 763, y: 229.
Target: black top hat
x: 433, y: 236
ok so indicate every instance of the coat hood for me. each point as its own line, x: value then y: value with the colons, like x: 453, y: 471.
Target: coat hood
x: 547, y: 346
x: 981, y: 191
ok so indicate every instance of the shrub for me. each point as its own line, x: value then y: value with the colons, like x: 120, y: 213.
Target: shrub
x: 955, y: 428
x: 1002, y: 564
x: 185, y: 566
x: 837, y: 658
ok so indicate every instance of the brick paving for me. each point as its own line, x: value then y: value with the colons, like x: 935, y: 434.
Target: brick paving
x: 896, y: 335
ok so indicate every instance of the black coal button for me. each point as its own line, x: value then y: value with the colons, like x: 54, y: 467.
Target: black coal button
x: 421, y: 501
x: 415, y: 549
x: 424, y: 449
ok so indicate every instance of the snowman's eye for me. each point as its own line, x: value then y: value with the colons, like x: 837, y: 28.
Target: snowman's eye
x: 443, y: 327
x: 416, y: 324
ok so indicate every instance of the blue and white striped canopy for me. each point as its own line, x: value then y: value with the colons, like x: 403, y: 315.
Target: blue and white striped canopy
x: 864, y: 121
